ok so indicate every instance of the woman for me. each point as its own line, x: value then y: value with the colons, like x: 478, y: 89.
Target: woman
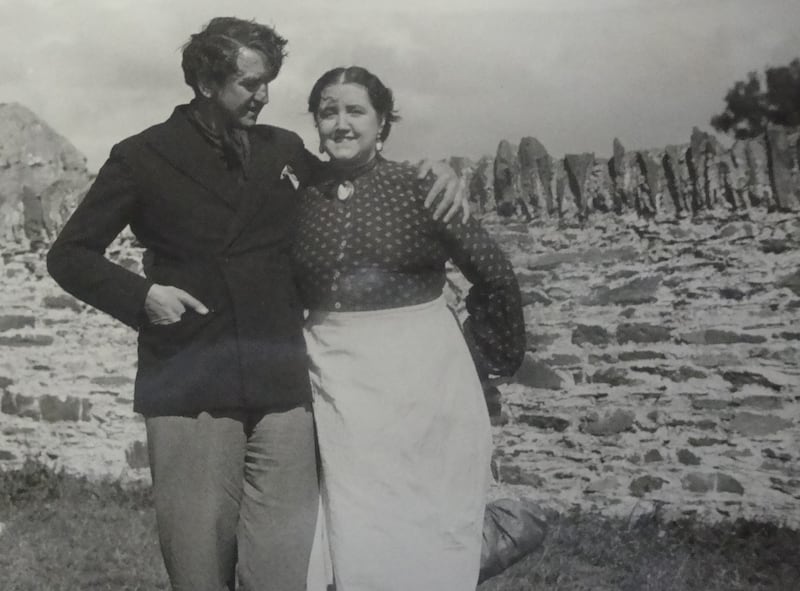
x: 402, y: 424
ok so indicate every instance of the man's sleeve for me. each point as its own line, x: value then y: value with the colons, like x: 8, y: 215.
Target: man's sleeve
x: 76, y: 260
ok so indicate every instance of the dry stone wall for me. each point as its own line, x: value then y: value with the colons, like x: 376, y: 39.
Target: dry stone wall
x: 667, y: 183
x: 663, y: 333
x: 663, y: 370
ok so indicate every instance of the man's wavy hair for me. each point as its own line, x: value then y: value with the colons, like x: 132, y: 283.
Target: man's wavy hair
x: 211, y: 54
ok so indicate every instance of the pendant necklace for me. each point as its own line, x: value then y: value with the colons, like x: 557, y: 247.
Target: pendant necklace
x: 344, y: 190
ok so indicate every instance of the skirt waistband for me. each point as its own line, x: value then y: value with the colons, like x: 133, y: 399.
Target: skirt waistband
x: 319, y: 316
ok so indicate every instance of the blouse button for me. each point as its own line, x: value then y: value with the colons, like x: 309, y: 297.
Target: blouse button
x: 337, y: 305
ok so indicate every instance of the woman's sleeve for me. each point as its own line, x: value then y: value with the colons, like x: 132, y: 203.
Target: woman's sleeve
x: 495, y: 327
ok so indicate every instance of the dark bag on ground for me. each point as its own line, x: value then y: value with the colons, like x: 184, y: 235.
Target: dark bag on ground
x: 512, y: 529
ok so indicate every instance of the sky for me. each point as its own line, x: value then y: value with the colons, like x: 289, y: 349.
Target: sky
x: 466, y: 74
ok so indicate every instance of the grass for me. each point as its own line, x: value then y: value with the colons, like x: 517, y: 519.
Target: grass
x: 64, y: 533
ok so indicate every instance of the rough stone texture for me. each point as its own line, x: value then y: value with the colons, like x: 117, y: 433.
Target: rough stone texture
x: 15, y: 322
x: 653, y: 455
x: 687, y: 458
x: 646, y: 200
x: 54, y: 409
x: 757, y: 425
x: 683, y: 394
x: 41, y: 177
x: 577, y: 167
x: 536, y: 177
x: 711, y: 414
x: 739, y: 379
x: 641, y: 290
x: 26, y: 340
x: 506, y: 172
x: 791, y: 282
x: 713, y: 336
x: 62, y: 302
x: 698, y: 483
x: 136, y: 455
x: 780, y: 163
x: 537, y: 374
x: 610, y: 424
x: 642, y: 333
x: 595, y: 335
x: 642, y: 485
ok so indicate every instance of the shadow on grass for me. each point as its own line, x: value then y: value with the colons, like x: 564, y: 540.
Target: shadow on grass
x: 65, y: 533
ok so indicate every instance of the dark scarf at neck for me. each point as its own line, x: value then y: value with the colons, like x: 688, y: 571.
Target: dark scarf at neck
x: 232, y: 143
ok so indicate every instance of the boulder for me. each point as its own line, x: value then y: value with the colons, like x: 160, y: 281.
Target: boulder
x: 649, y: 187
x: 610, y: 424
x: 577, y: 167
x: 642, y: 333
x: 642, y: 485
x: 758, y: 425
x: 532, y: 156
x: 505, y: 171
x: 780, y: 161
x: 537, y: 374
x: 42, y: 175
x: 593, y: 335
x: 617, y: 170
x: 675, y: 182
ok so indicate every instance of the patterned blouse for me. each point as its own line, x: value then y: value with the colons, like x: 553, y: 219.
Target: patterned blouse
x: 379, y: 248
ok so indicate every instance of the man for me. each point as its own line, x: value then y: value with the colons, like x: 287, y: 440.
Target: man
x: 222, y: 378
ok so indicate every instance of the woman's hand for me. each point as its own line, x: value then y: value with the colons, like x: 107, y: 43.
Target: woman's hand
x: 448, y: 188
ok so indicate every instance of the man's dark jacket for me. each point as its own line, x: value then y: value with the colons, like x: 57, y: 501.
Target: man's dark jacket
x: 207, y: 231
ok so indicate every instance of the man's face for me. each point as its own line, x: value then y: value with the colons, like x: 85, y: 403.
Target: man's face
x: 244, y: 93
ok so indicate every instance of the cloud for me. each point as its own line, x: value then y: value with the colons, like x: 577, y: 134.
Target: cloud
x: 574, y: 73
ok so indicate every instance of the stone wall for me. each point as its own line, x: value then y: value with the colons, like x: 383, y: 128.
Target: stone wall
x: 664, y: 367
x: 662, y: 370
x: 667, y: 183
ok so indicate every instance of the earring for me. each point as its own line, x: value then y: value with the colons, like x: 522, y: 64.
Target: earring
x: 379, y: 141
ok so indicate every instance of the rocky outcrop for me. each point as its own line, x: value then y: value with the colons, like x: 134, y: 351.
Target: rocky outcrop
x: 506, y: 194
x: 577, y: 167
x: 694, y: 179
x: 782, y: 166
x: 536, y: 176
x: 42, y: 176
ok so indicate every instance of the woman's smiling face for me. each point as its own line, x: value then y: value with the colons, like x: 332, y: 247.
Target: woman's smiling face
x: 347, y: 123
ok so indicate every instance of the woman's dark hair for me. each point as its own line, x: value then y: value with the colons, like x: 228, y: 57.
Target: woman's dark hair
x: 211, y: 54
x: 380, y: 96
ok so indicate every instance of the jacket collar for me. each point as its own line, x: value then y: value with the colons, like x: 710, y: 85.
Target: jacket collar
x: 180, y: 142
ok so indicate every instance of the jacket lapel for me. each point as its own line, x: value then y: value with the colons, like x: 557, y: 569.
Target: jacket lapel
x: 178, y: 142
x: 263, y: 172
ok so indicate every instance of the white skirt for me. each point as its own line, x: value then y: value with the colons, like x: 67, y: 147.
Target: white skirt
x: 405, y: 446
